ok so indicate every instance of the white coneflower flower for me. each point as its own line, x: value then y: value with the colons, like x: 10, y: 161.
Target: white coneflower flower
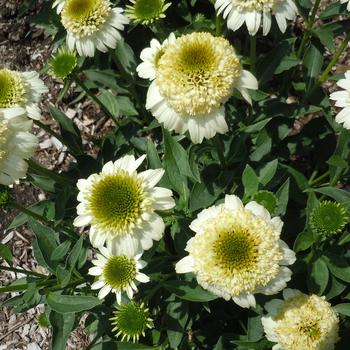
x: 346, y: 1
x: 91, y: 24
x: 150, y: 57
x: 117, y: 272
x: 20, y: 93
x: 255, y: 12
x: 130, y: 321
x: 237, y: 252
x: 146, y: 11
x: 301, y: 322
x: 120, y: 205
x: 195, y: 76
x: 16, y: 145
x: 342, y: 99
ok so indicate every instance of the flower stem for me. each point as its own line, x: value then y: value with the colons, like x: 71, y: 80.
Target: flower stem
x: 252, y: 53
x: 309, y: 24
x: 318, y: 179
x: 219, y: 25
x: 95, y: 99
x: 324, y: 75
x: 25, y: 272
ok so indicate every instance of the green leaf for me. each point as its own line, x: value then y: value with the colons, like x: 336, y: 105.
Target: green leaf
x: 304, y: 240
x: 71, y: 303
x: 250, y: 181
x: 338, y: 266
x: 63, y: 275
x: 256, y: 127
x: 339, y: 195
x: 189, y: 291
x: 110, y: 102
x: 313, y: 59
x: 5, y: 253
x: 61, y: 251
x: 287, y: 63
x: 343, y: 309
x: 46, y: 241
x: 126, y: 56
x: 62, y: 326
x: 332, y: 10
x: 268, y: 172
x: 326, y: 37
x: 126, y: 107
x: 282, y: 195
x: 319, y: 275
x: 69, y: 131
x: 75, y: 252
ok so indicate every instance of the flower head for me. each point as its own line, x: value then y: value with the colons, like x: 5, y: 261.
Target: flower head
x: 91, y: 24
x: 120, y: 205
x: 195, y: 76
x: 16, y: 145
x: 146, y: 11
x: 328, y: 218
x: 237, y: 252
x: 19, y: 93
x: 150, y: 57
x: 63, y: 63
x: 342, y: 99
x: 131, y: 320
x: 117, y: 272
x: 301, y: 322
x: 255, y: 12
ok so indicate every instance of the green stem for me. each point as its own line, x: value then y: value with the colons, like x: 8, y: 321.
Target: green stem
x: 95, y: 99
x: 324, y: 75
x: 25, y: 272
x: 220, y: 149
x: 252, y: 53
x: 37, y: 168
x: 309, y: 24
x: 219, y: 25
x: 320, y: 178
x: 50, y: 131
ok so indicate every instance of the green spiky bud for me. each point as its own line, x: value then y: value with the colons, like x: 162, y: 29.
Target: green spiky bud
x: 63, y: 63
x: 267, y: 199
x: 43, y: 320
x: 146, y: 11
x: 328, y: 218
x: 130, y: 321
x: 4, y: 195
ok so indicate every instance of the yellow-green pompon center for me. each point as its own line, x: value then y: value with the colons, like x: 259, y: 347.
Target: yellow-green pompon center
x: 197, y: 74
x: 12, y: 89
x: 116, y: 202
x: 85, y: 17
x: 4, y: 137
x: 306, y: 322
x: 119, y: 271
x: 254, y: 5
x: 235, y: 250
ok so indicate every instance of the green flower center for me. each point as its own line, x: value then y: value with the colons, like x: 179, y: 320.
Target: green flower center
x: 328, y: 217
x: 148, y: 9
x: 63, y: 63
x: 12, y: 89
x: 119, y: 271
x: 235, y: 250
x: 116, y: 202
x: 4, y: 137
x: 311, y: 330
x: 84, y: 17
